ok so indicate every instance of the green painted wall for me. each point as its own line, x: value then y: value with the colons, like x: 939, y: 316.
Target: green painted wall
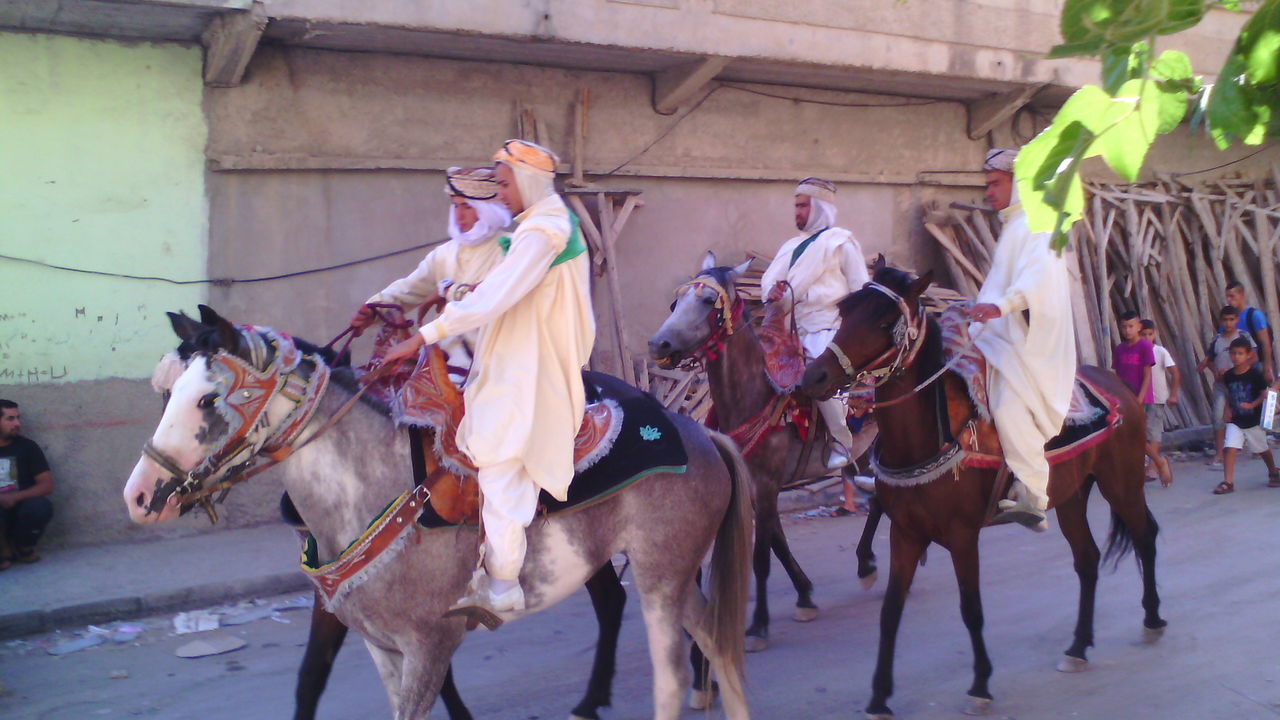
x: 102, y: 168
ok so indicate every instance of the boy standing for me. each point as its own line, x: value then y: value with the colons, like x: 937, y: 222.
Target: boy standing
x: 1246, y: 391
x: 1132, y: 360
x: 1166, y: 384
x: 1217, y: 357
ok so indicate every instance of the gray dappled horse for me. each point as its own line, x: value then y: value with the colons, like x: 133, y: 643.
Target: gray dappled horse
x: 343, y: 477
x: 705, y: 327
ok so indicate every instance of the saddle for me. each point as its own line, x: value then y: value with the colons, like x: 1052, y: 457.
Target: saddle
x: 1092, y: 416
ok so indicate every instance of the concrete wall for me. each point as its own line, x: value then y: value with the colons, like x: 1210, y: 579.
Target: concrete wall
x: 103, y: 169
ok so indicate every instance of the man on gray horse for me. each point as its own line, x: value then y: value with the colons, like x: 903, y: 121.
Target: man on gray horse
x: 822, y: 265
x: 525, y: 398
x: 477, y: 219
x: 1029, y: 342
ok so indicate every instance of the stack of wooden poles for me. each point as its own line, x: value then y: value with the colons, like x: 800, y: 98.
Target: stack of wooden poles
x: 1166, y: 250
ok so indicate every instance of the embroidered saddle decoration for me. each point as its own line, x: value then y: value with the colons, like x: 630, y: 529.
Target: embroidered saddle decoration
x: 784, y: 360
x: 1091, y: 417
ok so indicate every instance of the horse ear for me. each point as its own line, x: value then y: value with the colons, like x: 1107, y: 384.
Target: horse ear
x: 878, y: 264
x: 737, y: 272
x: 184, y: 327
x: 921, y: 284
x: 208, y: 316
x: 709, y: 261
x: 228, y: 336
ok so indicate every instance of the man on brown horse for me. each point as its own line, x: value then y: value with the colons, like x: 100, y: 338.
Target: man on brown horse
x: 525, y: 398
x: 1029, y: 343
x: 822, y: 265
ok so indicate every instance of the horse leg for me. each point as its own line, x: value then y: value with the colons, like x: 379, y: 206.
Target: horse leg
x: 762, y: 561
x: 1144, y: 543
x: 662, y: 608
x: 608, y: 598
x: 1075, y: 528
x: 700, y: 696
x: 964, y: 558
x: 423, y: 671
x: 452, y: 700
x: 323, y: 643
x: 735, y: 706
x: 805, y: 609
x: 1132, y: 521
x: 865, y: 553
x: 904, y: 556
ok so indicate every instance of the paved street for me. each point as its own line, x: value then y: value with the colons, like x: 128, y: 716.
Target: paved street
x: 1217, y: 570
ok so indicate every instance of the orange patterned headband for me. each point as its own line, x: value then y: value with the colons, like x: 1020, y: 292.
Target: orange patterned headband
x: 524, y: 154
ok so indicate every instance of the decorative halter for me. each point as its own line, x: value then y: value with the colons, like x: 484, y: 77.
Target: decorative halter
x: 726, y: 321
x: 908, y: 337
x: 243, y: 396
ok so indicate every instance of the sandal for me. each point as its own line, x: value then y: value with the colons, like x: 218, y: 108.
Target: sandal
x: 27, y: 556
x: 5, y: 564
x: 1224, y: 487
x: 1275, y: 479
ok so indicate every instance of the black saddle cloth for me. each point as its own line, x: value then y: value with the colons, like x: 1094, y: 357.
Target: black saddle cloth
x: 648, y: 443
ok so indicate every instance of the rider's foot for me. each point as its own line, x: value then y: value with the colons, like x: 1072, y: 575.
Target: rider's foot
x: 1023, y: 513
x: 487, y: 599
x: 838, y: 458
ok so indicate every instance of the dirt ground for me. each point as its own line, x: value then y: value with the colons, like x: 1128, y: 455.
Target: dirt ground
x: 1219, y: 659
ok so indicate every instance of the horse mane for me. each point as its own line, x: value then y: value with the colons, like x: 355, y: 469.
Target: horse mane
x: 723, y: 275
x: 894, y: 279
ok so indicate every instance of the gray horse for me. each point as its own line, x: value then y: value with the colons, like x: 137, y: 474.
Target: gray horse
x: 701, y: 327
x: 349, y: 472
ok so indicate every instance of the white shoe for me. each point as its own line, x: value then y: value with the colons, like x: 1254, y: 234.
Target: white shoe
x: 864, y: 483
x: 838, y: 458
x: 481, y: 606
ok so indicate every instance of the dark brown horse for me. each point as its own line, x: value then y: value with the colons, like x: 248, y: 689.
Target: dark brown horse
x: 952, y: 510
x: 710, y: 324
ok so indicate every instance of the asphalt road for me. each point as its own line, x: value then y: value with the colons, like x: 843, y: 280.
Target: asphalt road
x: 1220, y: 658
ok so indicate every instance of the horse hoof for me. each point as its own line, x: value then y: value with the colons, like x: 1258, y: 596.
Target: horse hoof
x: 1150, y: 635
x: 805, y: 614
x: 878, y: 716
x: 755, y: 643
x: 977, y: 705
x: 1070, y: 664
x: 869, y: 581
x: 702, y: 699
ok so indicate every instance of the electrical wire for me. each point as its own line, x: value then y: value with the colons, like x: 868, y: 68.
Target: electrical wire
x: 1229, y: 163
x: 224, y: 281
x: 666, y: 132
x: 832, y: 103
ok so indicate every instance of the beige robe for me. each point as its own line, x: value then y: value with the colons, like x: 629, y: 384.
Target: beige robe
x: 830, y: 268
x: 525, y: 397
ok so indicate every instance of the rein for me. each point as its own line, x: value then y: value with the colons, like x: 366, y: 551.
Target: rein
x: 909, y: 337
x: 724, y: 323
x: 249, y: 393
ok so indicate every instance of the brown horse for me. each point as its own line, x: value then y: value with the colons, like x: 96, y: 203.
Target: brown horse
x: 704, y: 327
x: 914, y: 432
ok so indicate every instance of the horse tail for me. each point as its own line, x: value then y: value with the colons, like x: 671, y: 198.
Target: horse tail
x: 726, y: 613
x: 1120, y: 539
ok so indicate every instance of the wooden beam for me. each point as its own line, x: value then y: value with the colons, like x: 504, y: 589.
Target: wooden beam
x: 986, y: 114
x: 230, y: 41
x: 675, y: 86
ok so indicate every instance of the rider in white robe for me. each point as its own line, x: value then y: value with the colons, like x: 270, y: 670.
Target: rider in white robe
x: 1029, y: 342
x: 525, y: 398
x: 452, y: 270
x: 822, y: 265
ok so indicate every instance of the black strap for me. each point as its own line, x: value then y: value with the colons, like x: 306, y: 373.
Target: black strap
x: 416, y: 457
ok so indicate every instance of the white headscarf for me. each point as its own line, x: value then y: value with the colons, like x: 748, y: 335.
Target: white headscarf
x: 533, y: 185
x: 822, y: 215
x: 491, y: 216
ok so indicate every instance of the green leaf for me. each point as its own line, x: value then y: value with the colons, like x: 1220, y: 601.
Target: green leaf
x: 1123, y: 63
x: 1182, y: 14
x: 1086, y: 47
x: 1173, y: 66
x: 1230, y: 112
x: 1172, y: 108
x: 1044, y: 171
x: 1130, y: 126
x: 1259, y: 44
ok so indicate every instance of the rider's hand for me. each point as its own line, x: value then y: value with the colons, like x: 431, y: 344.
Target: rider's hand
x: 983, y: 312
x: 407, y: 350
x: 776, y: 293
x: 363, y: 318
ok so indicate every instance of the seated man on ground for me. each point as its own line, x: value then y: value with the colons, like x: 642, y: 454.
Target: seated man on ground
x: 25, y: 484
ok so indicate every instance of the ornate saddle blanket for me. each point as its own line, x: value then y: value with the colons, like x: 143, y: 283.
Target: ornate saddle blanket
x: 784, y: 360
x: 1091, y: 417
x: 643, y: 442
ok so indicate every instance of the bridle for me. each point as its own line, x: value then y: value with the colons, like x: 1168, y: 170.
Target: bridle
x: 908, y: 337
x: 244, y: 396
x: 728, y: 319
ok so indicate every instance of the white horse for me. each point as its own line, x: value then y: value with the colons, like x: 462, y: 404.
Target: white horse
x: 247, y: 392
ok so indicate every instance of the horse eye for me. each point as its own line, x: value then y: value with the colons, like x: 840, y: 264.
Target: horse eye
x: 207, y: 401
x: 708, y: 301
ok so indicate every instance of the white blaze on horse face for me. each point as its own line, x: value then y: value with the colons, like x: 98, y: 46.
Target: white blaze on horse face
x: 689, y: 324
x: 184, y: 434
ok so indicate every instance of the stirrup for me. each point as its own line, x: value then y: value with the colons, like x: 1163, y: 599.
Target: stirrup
x: 475, y: 615
x: 1023, y: 514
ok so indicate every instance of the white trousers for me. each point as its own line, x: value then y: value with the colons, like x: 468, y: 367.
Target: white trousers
x: 833, y: 410
x: 1022, y: 440
x: 508, y: 502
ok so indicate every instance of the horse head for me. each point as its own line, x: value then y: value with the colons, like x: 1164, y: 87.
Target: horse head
x: 231, y: 393
x: 877, y: 322
x: 704, y: 310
